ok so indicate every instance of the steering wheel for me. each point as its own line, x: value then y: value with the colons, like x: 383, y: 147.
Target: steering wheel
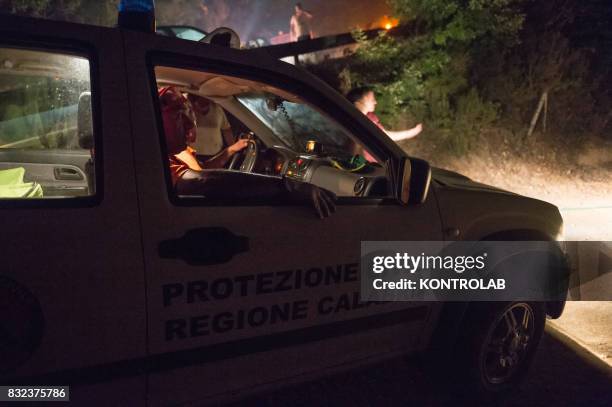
x: 249, y: 157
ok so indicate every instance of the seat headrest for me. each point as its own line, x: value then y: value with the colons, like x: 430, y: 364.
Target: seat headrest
x: 84, y: 122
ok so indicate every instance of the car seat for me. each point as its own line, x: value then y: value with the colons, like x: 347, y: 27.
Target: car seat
x: 85, y: 137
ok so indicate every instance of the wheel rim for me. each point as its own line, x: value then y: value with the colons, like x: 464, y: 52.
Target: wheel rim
x: 507, y: 343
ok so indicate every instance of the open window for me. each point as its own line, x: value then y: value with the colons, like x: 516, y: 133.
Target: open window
x: 287, y: 136
x: 46, y: 131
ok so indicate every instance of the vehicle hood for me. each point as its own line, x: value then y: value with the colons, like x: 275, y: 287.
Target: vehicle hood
x: 455, y: 180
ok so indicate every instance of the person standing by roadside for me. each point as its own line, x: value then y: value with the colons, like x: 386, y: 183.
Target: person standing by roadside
x: 300, y: 24
x: 364, y: 99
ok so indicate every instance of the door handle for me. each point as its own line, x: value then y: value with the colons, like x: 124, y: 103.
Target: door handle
x: 204, y: 246
x: 67, y: 174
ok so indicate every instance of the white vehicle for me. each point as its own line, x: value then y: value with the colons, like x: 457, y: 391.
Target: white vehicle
x: 114, y: 284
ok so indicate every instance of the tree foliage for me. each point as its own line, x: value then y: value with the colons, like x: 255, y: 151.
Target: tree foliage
x: 461, y: 65
x: 94, y: 12
x: 552, y: 57
x: 425, y: 74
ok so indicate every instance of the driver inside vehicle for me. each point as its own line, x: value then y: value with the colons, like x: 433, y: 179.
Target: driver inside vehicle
x: 214, y: 142
x: 186, y: 124
x: 191, y: 179
x: 188, y: 157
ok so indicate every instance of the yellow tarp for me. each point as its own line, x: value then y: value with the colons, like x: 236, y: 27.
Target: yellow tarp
x: 12, y: 185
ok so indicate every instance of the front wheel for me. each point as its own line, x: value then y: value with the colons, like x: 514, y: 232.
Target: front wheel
x: 499, y: 343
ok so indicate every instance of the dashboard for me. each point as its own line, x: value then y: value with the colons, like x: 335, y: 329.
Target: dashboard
x: 324, y: 171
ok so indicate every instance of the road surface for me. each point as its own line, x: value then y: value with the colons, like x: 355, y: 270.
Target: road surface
x: 561, y: 375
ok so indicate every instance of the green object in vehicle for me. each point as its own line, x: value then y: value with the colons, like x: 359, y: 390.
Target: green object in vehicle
x: 12, y: 185
x: 358, y: 161
x: 354, y: 164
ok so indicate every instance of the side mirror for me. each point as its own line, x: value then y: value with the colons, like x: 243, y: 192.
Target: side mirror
x: 415, y: 180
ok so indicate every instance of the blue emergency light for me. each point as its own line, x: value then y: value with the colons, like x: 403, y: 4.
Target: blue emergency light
x: 137, y: 15
x: 137, y: 5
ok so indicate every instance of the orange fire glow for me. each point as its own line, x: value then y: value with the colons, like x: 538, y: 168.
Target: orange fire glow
x: 388, y: 23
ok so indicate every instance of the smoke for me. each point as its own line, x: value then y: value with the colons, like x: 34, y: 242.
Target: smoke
x: 253, y: 19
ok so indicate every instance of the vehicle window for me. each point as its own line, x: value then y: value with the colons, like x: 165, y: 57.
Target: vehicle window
x: 187, y: 33
x: 279, y: 135
x: 46, y: 132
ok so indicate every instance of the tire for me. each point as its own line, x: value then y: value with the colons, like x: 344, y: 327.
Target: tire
x: 463, y: 367
x: 499, y: 344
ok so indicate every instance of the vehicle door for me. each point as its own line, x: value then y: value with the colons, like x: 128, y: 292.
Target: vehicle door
x: 71, y: 283
x: 278, y: 297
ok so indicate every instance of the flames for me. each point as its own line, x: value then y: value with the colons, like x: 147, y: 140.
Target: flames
x: 388, y: 23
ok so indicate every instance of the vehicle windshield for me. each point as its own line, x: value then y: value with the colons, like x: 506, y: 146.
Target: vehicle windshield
x: 296, y: 123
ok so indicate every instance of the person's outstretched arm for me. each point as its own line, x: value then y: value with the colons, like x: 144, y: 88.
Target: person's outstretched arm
x: 244, y: 187
x: 405, y: 134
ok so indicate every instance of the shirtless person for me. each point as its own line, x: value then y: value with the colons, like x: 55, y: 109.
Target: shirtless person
x: 299, y: 24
